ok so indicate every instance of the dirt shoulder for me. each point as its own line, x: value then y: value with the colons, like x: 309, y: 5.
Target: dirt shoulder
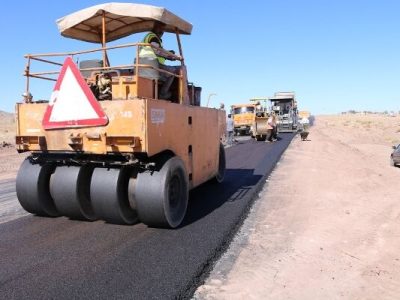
x: 327, y: 223
x: 10, y: 161
x: 7, y: 128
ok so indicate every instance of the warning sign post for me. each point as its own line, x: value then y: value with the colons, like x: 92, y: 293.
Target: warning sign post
x: 72, y: 103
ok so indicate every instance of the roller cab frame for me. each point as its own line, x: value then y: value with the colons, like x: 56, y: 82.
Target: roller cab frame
x: 140, y: 164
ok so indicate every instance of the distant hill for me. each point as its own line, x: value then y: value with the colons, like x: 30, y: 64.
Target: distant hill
x: 7, y: 127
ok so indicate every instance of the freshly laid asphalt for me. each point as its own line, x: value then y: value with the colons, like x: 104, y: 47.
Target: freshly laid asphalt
x: 58, y: 258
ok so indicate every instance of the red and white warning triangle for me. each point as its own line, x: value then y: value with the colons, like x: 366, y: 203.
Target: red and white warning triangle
x: 72, y: 103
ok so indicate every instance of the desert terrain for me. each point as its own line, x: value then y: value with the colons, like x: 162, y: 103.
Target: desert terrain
x: 325, y: 226
x: 9, y: 158
x: 7, y: 127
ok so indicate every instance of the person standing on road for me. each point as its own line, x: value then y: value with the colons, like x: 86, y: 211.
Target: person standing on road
x: 274, y: 127
x: 304, y: 124
x: 272, y: 133
x: 229, y: 130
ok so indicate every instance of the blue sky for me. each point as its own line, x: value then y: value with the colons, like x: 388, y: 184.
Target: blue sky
x: 336, y: 55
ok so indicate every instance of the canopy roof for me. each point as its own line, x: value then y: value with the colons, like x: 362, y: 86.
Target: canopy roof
x: 121, y: 19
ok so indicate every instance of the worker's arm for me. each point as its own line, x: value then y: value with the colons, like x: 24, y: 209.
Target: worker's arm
x: 170, y: 55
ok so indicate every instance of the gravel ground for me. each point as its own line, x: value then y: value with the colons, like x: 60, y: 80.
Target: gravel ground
x: 326, y: 225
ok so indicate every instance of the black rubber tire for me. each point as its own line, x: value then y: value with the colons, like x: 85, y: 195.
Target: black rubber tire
x: 32, y: 186
x: 162, y: 196
x: 392, y: 162
x: 70, y: 189
x: 221, y: 165
x: 109, y: 195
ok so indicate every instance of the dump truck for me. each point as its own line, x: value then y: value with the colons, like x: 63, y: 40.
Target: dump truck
x: 243, y: 118
x: 284, y: 105
x: 105, y: 146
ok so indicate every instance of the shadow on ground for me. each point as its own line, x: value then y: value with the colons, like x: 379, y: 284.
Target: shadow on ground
x: 211, y: 195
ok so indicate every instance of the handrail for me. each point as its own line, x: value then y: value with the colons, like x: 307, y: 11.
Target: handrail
x: 45, y: 60
x: 73, y: 53
x: 105, y: 69
x: 54, y: 59
x: 40, y: 57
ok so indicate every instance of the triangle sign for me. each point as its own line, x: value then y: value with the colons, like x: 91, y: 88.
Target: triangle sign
x: 72, y: 103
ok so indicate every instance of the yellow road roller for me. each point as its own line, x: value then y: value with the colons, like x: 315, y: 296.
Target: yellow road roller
x: 105, y: 144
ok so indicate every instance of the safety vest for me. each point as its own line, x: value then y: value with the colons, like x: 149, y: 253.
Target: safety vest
x: 147, y: 51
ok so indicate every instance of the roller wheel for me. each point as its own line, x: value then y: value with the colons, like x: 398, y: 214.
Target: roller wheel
x: 162, y: 196
x: 392, y: 162
x: 32, y: 186
x: 70, y: 189
x: 261, y: 137
x: 221, y: 165
x: 109, y: 195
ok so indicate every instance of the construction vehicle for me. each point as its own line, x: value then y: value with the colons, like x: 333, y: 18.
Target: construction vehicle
x: 284, y: 105
x: 304, y: 114
x: 105, y: 146
x: 243, y: 118
x: 260, y: 128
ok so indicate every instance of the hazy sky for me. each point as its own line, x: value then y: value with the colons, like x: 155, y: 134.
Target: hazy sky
x: 336, y: 55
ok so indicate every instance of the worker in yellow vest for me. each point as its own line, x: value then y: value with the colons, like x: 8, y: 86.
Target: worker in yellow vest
x: 156, y: 57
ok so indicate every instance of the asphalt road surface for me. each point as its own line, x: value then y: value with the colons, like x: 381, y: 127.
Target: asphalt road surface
x: 58, y: 258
